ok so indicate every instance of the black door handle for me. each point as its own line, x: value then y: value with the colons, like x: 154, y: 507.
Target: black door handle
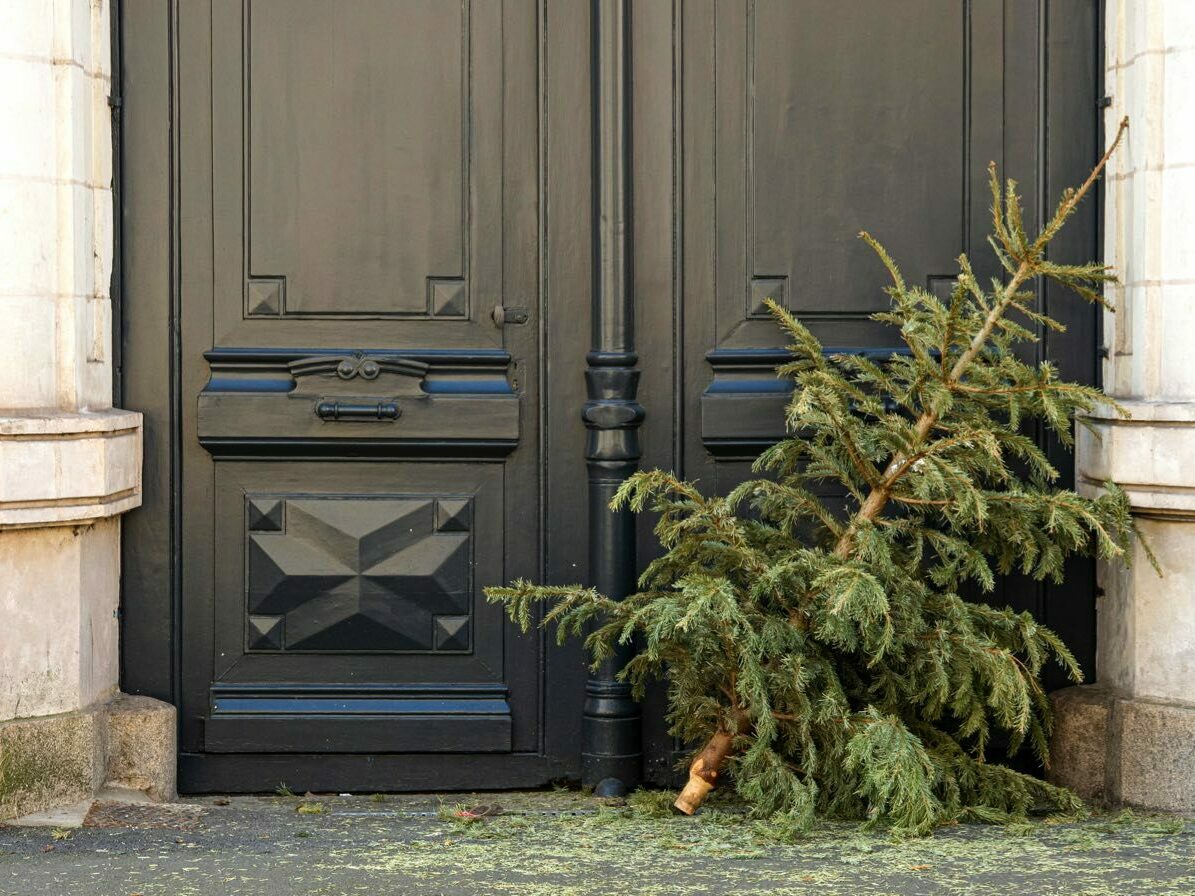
x: 357, y: 411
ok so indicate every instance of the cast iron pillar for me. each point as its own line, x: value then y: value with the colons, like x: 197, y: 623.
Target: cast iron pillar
x: 611, y: 750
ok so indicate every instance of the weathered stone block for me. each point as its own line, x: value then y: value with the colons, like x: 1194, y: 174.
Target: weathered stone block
x: 59, y: 590
x: 1079, y: 745
x: 1154, y: 747
x: 142, y: 745
x: 49, y: 761
x: 1119, y: 750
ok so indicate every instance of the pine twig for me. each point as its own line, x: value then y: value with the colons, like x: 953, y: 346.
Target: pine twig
x: 877, y: 498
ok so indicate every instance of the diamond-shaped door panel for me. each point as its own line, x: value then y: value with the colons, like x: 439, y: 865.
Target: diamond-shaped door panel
x: 359, y: 574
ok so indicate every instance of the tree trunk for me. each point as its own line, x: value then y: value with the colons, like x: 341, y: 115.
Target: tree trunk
x: 703, y: 772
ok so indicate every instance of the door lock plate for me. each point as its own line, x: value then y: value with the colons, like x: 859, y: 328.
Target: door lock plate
x: 509, y: 314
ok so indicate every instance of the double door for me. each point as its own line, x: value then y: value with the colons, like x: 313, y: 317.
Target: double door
x: 360, y: 242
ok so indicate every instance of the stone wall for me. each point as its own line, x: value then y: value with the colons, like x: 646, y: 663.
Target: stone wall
x: 1143, y: 713
x: 69, y: 462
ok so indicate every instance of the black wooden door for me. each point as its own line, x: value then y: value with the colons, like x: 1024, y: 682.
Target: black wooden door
x: 359, y: 376
x: 798, y: 123
x: 367, y: 246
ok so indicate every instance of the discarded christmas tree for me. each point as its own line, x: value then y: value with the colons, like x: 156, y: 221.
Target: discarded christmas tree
x: 826, y: 657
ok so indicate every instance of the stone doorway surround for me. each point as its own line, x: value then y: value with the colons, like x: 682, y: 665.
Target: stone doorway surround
x: 70, y: 463
x: 1131, y: 738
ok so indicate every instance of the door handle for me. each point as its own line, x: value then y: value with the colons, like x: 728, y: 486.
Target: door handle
x: 357, y: 411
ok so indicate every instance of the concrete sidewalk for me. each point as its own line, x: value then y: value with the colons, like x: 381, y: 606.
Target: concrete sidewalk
x: 565, y: 844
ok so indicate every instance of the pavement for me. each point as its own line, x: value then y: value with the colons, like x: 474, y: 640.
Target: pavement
x: 562, y: 843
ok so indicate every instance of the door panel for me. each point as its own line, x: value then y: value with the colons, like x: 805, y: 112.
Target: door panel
x: 830, y: 114
x: 804, y: 123
x: 360, y: 171
x: 380, y: 229
x: 364, y: 442
x: 350, y: 593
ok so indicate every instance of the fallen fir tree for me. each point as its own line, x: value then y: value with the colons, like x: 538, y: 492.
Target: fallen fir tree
x: 827, y: 659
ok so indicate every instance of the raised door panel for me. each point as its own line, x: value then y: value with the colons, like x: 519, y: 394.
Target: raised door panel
x: 351, y: 611
x: 803, y: 123
x: 360, y: 170
x: 855, y: 117
x: 359, y: 228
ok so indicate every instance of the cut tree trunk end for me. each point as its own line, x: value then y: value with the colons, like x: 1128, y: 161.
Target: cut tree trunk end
x: 703, y: 772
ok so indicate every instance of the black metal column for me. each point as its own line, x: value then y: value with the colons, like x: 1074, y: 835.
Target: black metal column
x: 611, y: 752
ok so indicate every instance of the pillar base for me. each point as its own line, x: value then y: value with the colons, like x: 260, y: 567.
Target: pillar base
x: 52, y: 761
x: 1117, y: 750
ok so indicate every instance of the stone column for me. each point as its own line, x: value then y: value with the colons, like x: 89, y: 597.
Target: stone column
x: 70, y: 463
x: 1131, y: 737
